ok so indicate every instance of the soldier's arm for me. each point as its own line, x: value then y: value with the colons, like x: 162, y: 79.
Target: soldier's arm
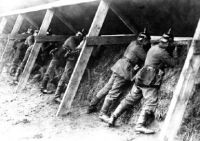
x: 141, y: 54
x: 169, y: 60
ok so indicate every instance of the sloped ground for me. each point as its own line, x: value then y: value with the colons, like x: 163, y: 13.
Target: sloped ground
x: 28, y: 115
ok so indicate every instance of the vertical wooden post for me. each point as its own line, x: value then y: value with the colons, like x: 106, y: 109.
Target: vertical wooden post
x: 34, y: 52
x: 83, y: 59
x: 3, y: 24
x: 183, y: 90
x: 2, y: 27
x: 5, y: 57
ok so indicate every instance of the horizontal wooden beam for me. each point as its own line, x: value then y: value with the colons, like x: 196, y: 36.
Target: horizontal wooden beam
x: 14, y: 36
x: 122, y: 39
x: 51, y: 5
x: 53, y: 38
x: 108, y: 40
x: 4, y: 36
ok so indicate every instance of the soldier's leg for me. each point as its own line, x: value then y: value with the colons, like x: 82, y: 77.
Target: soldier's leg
x: 15, y: 64
x: 133, y: 97
x: 48, y: 73
x: 103, y: 92
x: 22, y: 65
x: 64, y: 79
x: 151, y: 98
x: 113, y: 94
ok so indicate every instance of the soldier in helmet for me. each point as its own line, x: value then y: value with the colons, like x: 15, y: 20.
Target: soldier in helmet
x: 123, y: 72
x: 20, y: 46
x: 67, y: 52
x: 29, y: 41
x: 147, y: 82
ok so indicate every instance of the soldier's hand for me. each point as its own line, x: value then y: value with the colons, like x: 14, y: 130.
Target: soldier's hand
x: 53, y: 51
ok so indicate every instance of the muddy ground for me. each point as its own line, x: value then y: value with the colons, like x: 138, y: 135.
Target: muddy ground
x: 28, y: 115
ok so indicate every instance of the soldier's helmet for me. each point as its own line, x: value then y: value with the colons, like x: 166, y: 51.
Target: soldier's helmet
x: 144, y: 35
x: 167, y: 37
x: 49, y: 32
x: 81, y: 33
x: 30, y: 30
x: 35, y: 32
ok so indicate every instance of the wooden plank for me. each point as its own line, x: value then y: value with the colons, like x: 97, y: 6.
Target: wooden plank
x: 109, y: 40
x: 183, y: 91
x: 18, y: 36
x: 83, y: 59
x: 53, y: 38
x: 34, y: 52
x: 51, y: 5
x: 3, y: 24
x: 123, y: 18
x: 7, y: 53
x: 4, y: 36
x: 31, y: 21
x: 122, y: 39
x: 63, y: 19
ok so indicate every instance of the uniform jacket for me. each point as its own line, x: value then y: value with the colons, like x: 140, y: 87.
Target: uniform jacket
x: 70, y: 44
x: 151, y: 73
x: 134, y: 54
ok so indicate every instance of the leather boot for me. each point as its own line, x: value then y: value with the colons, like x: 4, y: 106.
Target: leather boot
x: 16, y: 79
x: 44, y: 83
x: 104, y: 110
x: 118, y: 111
x: 58, y: 92
x: 93, y: 105
x: 140, y: 126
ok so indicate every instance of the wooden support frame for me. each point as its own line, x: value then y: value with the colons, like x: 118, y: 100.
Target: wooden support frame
x: 3, y: 24
x: 183, y: 91
x: 7, y: 51
x: 34, y: 52
x: 108, y: 40
x: 53, y: 38
x: 63, y: 19
x: 83, y: 59
x: 123, y: 19
x: 30, y: 21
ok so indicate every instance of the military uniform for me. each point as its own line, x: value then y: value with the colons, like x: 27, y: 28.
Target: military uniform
x: 147, y: 82
x: 71, y: 56
x: 58, y: 57
x: 29, y: 41
x: 123, y: 72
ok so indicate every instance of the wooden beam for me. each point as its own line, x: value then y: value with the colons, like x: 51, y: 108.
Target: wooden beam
x: 51, y: 5
x: 4, y: 36
x: 31, y: 21
x: 83, y: 59
x: 183, y: 91
x: 63, y: 19
x: 122, y: 39
x: 34, y: 52
x: 53, y: 38
x: 3, y: 24
x: 108, y: 40
x: 7, y: 53
x: 123, y: 18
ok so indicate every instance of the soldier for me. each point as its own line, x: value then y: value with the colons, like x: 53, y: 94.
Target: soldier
x: 21, y: 48
x: 59, y: 55
x: 71, y: 44
x: 147, y: 82
x: 29, y: 41
x: 123, y: 72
